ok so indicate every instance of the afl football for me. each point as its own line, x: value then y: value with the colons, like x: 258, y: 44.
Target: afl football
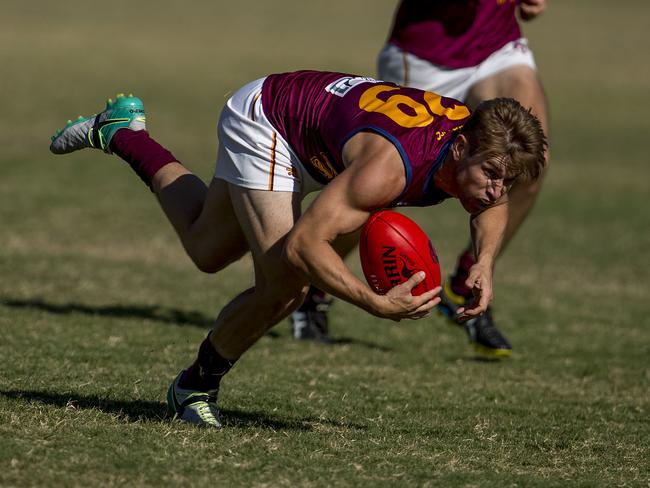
x: 393, y: 248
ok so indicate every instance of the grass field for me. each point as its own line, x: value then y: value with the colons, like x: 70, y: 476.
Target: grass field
x: 99, y: 307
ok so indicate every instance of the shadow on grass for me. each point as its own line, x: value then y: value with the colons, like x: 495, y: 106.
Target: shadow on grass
x: 164, y: 315
x: 149, y: 312
x: 338, y: 341
x: 143, y: 410
x: 476, y: 358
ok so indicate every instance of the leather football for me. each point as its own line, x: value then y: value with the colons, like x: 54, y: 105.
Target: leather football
x: 393, y: 248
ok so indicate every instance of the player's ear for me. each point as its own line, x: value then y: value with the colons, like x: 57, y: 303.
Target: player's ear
x: 459, y: 145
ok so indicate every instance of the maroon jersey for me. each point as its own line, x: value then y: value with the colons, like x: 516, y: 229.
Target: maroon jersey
x: 318, y: 112
x: 454, y: 33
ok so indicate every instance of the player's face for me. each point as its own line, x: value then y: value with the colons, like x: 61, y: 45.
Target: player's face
x: 481, y: 182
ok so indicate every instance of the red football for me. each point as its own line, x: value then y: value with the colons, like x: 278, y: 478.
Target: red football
x: 392, y: 249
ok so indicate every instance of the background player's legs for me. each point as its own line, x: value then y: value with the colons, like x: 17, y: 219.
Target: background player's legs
x: 522, y: 84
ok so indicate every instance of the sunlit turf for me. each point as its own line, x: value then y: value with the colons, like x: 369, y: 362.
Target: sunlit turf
x: 99, y: 307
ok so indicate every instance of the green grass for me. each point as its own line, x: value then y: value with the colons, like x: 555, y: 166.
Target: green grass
x: 99, y: 307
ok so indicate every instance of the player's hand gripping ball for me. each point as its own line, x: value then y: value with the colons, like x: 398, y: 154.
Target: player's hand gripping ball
x: 393, y: 248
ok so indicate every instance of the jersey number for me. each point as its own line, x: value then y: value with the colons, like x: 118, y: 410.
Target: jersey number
x: 405, y: 111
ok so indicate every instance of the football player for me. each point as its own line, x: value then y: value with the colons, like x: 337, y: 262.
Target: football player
x: 366, y: 144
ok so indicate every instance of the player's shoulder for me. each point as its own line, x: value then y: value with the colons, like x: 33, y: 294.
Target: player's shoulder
x: 369, y: 145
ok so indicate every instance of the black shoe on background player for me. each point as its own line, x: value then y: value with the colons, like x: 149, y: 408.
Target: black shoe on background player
x: 310, y: 321
x: 483, y: 335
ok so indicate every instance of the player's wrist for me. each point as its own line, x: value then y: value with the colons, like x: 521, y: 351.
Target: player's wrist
x: 485, y: 261
x: 375, y: 304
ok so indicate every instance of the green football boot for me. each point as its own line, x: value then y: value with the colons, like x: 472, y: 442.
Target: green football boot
x: 97, y: 130
x: 193, y: 406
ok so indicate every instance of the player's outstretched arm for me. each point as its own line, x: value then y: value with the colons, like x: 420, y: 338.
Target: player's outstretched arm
x: 487, y: 230
x: 373, y: 179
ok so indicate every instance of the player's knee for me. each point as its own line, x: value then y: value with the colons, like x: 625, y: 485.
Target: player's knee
x: 207, y: 266
x: 282, y: 297
x: 207, y: 262
x: 211, y: 259
x: 203, y: 261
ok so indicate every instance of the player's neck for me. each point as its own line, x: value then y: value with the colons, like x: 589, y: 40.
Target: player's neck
x: 444, y: 177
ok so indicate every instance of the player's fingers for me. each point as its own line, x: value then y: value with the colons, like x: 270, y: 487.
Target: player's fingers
x: 419, y: 316
x: 424, y: 308
x: 423, y: 302
x: 427, y: 296
x: 474, y: 311
x: 414, y: 280
x: 428, y: 306
x: 484, y: 302
x: 474, y: 276
x: 473, y: 281
x: 464, y: 314
x: 469, y: 311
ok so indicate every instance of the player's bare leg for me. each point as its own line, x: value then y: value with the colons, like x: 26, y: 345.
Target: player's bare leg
x: 208, y: 226
x: 210, y: 233
x: 216, y: 226
x: 266, y: 219
x: 522, y: 84
x: 203, y: 217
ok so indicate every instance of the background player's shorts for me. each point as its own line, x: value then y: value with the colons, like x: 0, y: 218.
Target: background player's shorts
x: 252, y: 154
x: 403, y: 68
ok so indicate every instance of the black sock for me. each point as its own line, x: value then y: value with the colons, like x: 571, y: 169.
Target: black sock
x: 207, y: 370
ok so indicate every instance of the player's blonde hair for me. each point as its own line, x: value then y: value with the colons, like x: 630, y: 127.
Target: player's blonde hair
x: 501, y: 129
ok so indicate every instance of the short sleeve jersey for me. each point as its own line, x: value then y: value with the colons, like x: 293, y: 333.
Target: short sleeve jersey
x: 318, y: 112
x: 454, y: 33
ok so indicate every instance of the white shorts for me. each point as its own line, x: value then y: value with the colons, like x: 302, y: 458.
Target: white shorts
x: 403, y: 68
x: 252, y: 154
